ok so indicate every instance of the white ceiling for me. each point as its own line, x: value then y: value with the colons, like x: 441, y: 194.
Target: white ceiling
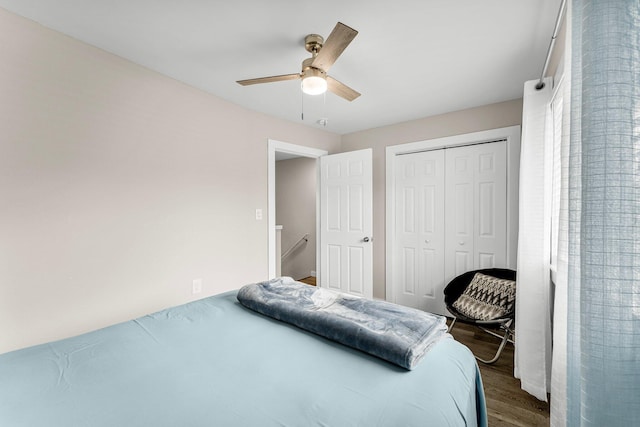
x: 411, y: 58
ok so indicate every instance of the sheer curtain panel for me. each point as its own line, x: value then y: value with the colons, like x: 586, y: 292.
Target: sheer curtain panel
x: 603, y: 327
x: 532, y: 361
x: 561, y: 109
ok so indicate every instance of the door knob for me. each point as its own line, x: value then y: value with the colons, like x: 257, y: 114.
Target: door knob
x: 461, y: 243
x: 427, y: 241
x: 366, y: 240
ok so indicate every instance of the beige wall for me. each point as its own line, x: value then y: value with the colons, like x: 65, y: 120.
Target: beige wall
x: 472, y: 120
x: 119, y: 186
x: 296, y: 212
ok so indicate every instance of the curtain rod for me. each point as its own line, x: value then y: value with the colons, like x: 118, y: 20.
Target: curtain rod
x: 540, y: 84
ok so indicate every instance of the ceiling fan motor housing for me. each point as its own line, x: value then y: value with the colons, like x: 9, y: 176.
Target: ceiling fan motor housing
x: 308, y: 70
x: 313, y: 43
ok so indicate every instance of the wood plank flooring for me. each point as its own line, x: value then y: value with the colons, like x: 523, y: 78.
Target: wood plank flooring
x: 507, y: 403
x: 309, y: 280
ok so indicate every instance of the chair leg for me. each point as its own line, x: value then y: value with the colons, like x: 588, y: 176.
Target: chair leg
x: 453, y: 322
x: 505, y: 339
x: 490, y: 332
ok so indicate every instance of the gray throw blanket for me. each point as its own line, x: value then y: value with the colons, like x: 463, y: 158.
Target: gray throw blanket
x: 395, y: 333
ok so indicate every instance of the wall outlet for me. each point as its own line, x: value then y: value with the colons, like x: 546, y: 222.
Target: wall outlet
x: 196, y: 287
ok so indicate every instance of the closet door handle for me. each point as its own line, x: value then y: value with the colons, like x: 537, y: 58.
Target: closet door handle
x: 461, y: 243
x: 366, y: 240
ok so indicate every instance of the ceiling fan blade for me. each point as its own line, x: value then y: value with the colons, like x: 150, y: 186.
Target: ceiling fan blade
x: 335, y: 44
x: 341, y: 89
x: 271, y: 79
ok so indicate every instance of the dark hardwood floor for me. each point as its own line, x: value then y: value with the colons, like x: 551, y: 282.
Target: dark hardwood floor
x: 507, y: 403
x: 309, y: 280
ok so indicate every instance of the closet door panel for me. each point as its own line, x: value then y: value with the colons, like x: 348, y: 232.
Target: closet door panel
x: 406, y: 231
x: 408, y: 278
x: 459, y: 209
x: 431, y: 274
x: 491, y: 205
x: 419, y: 247
x: 450, y: 218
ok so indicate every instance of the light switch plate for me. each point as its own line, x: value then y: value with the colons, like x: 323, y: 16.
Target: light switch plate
x: 258, y: 214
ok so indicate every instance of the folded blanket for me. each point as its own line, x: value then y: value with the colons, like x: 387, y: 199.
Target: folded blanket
x: 395, y: 333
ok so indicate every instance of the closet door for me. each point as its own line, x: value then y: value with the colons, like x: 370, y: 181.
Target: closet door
x: 475, y: 208
x: 419, y: 244
x: 459, y: 202
x: 490, y: 198
x: 450, y: 217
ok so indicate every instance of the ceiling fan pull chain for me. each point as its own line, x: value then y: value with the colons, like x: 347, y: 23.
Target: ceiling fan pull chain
x: 323, y: 121
x: 302, y: 106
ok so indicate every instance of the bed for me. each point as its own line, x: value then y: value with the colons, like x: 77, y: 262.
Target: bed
x: 214, y: 362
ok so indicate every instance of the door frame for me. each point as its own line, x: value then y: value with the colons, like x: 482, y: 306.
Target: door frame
x: 511, y: 134
x: 274, y: 146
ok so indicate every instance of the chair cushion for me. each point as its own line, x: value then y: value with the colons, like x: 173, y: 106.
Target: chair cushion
x: 487, y: 298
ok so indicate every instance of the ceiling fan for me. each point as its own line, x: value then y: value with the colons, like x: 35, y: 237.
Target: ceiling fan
x: 314, y: 70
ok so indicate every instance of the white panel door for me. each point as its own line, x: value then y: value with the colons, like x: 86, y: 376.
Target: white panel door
x: 346, y: 222
x: 419, y: 243
x: 491, y: 206
x: 450, y: 218
x: 476, y: 208
x: 459, y: 202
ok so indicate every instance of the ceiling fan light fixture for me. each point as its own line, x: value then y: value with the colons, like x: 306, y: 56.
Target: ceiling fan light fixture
x: 314, y: 81
x: 314, y: 85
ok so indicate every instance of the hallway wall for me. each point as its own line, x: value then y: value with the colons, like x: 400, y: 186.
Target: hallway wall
x: 296, y: 212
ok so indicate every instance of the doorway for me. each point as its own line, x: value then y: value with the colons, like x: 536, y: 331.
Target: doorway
x: 296, y: 185
x: 280, y: 150
x: 344, y: 223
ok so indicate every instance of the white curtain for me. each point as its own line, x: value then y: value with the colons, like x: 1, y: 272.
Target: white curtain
x: 561, y: 111
x: 533, y: 313
x: 600, y: 374
x: 561, y: 108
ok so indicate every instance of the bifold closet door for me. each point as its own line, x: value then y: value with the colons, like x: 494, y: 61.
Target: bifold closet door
x: 419, y: 247
x: 475, y: 208
x: 450, y: 217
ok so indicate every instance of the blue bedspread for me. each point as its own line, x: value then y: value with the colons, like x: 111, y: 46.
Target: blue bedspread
x: 214, y: 363
x: 398, y: 334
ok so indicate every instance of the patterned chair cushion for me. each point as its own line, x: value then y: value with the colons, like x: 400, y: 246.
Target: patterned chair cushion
x: 487, y: 298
